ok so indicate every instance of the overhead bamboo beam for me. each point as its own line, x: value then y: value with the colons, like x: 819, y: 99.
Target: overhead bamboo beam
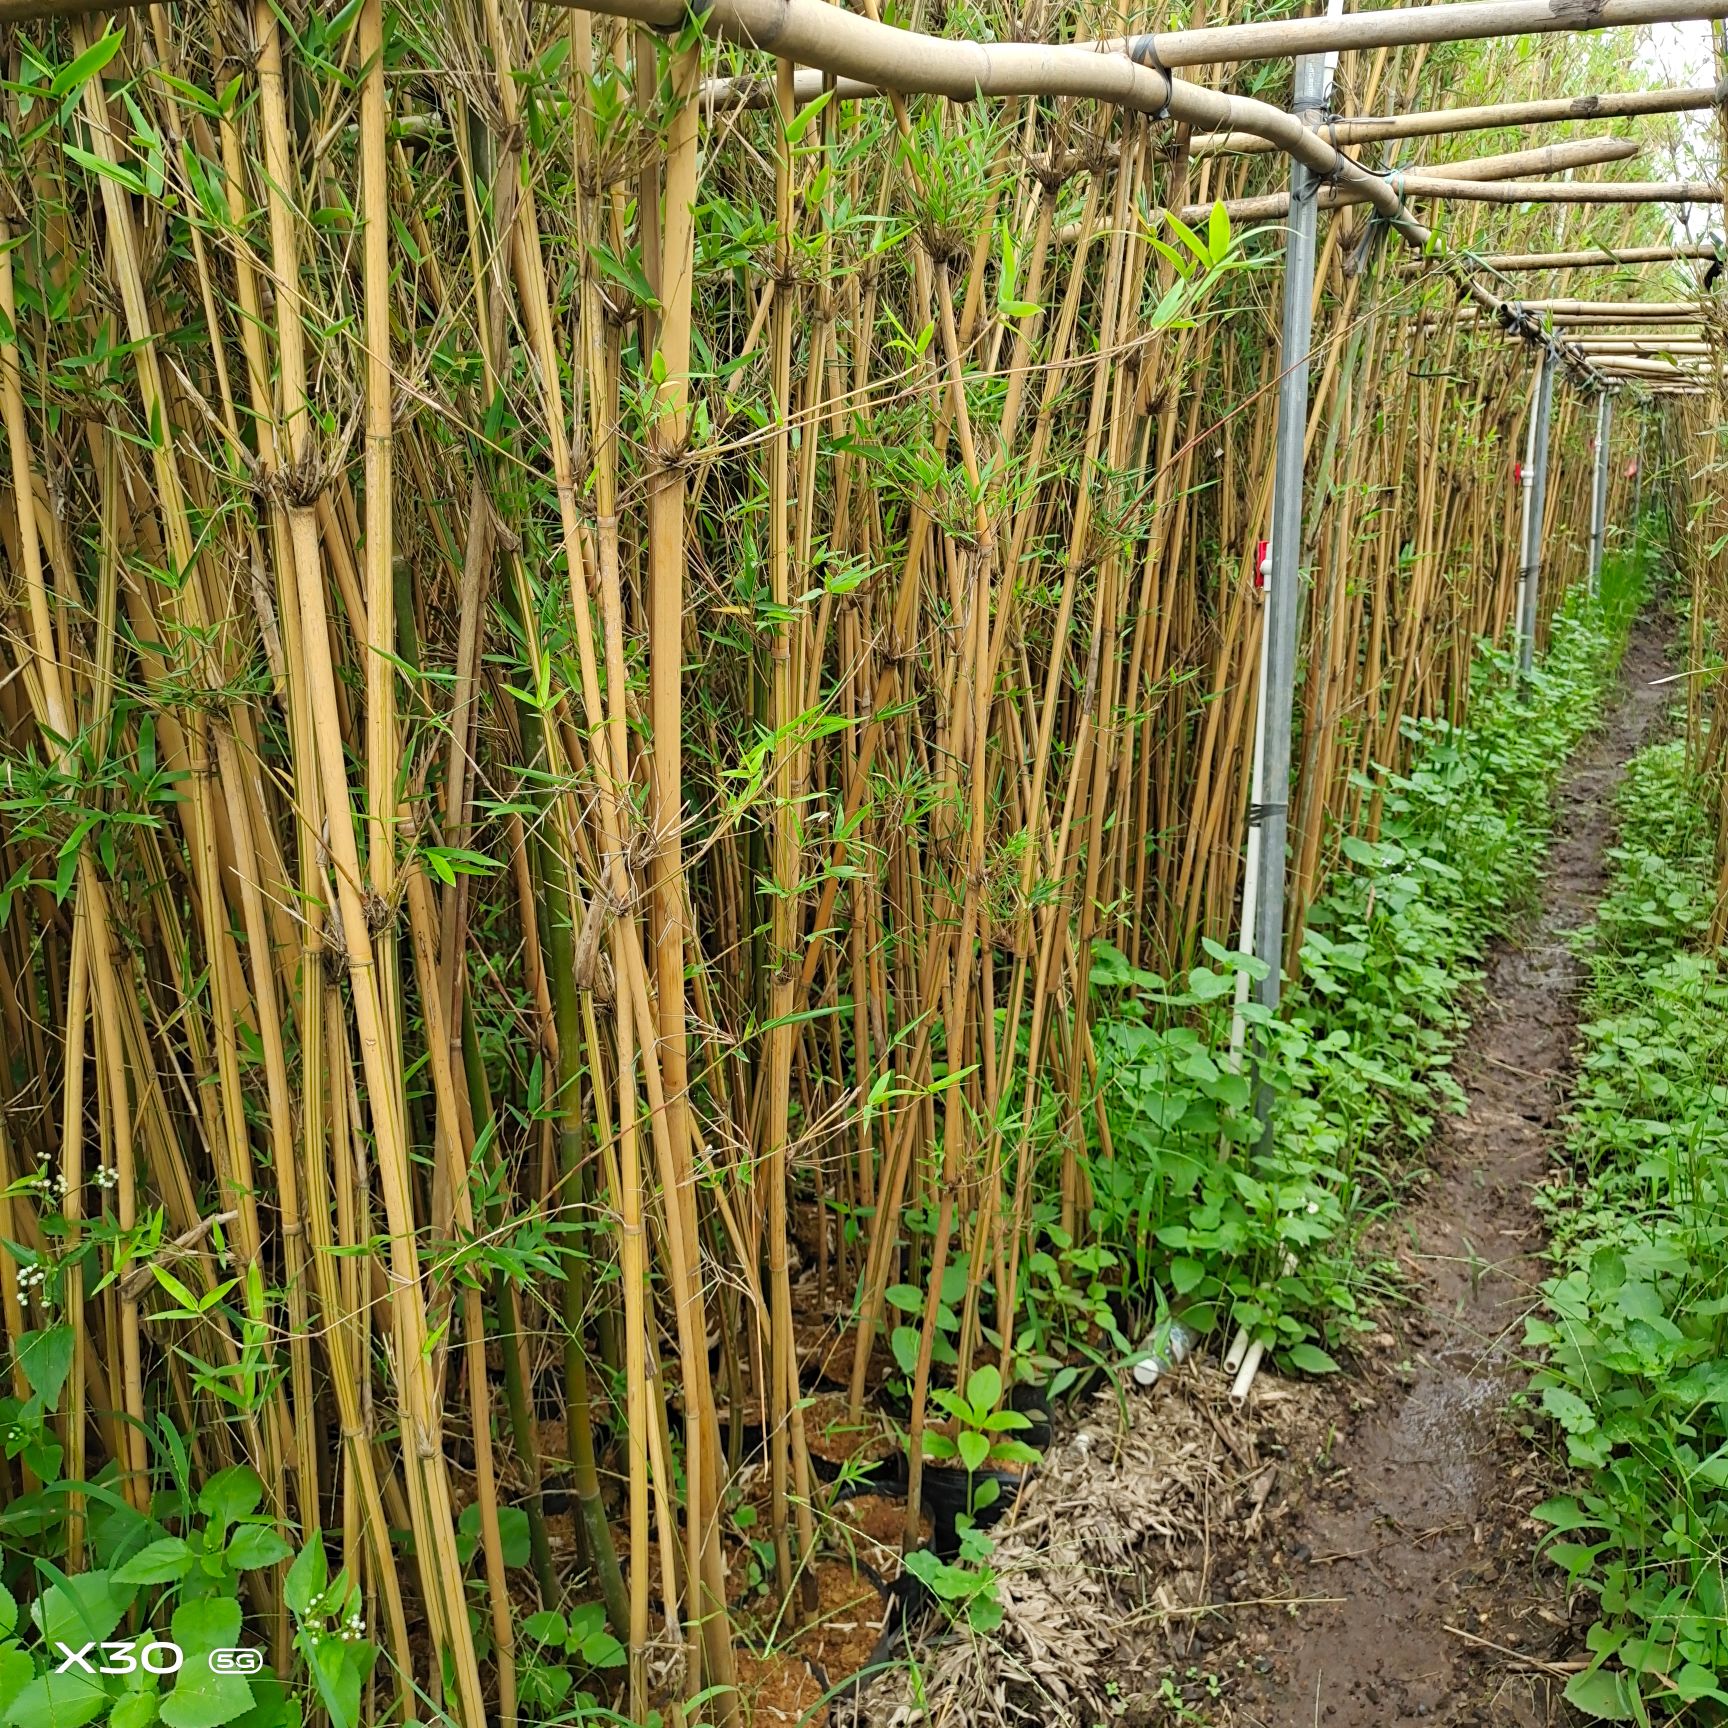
x: 1633, y: 344
x: 1633, y: 368
x: 1680, y: 363
x: 1637, y: 345
x: 1545, y: 159
x: 1560, y: 191
x: 1583, y: 260
x: 1562, y: 309
x: 1607, y: 324
x: 1225, y: 44
x: 1612, y: 105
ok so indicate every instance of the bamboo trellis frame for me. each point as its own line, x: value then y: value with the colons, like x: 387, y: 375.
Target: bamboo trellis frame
x: 1106, y: 718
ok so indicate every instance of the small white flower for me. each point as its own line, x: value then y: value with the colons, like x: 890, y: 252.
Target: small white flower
x: 1313, y: 1207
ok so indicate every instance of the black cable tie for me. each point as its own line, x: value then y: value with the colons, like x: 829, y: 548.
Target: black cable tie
x: 1257, y: 813
x: 1142, y: 49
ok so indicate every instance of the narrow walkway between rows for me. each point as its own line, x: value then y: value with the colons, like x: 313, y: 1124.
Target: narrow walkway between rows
x: 1410, y: 1560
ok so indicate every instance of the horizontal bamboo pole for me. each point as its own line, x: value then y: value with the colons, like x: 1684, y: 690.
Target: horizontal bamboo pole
x: 1571, y: 340
x: 1626, y: 366
x: 1545, y: 159
x: 1611, y: 105
x: 1637, y: 345
x: 1603, y: 324
x: 1584, y: 260
x: 1613, y: 308
x: 1573, y: 332
x: 1218, y: 44
x: 1560, y: 191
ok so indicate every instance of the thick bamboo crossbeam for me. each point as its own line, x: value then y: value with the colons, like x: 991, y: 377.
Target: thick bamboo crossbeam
x: 1627, y: 326
x: 1221, y: 44
x: 1600, y: 257
x: 1690, y: 363
x: 1545, y: 159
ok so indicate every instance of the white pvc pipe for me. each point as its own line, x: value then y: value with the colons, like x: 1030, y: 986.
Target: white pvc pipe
x: 1244, y: 1381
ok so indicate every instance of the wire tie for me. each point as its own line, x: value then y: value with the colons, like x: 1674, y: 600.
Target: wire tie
x: 1143, y: 49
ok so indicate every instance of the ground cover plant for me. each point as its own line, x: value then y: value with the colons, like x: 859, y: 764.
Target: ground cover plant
x: 1631, y: 1327
x: 1267, y: 1238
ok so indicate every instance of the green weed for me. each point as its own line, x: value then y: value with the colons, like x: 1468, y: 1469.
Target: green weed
x: 1268, y: 1234
x: 1634, y: 1367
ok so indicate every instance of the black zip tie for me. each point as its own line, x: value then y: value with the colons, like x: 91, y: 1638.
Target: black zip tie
x: 1142, y: 49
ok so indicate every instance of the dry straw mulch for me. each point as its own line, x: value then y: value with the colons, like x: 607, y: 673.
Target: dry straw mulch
x: 1102, y: 1563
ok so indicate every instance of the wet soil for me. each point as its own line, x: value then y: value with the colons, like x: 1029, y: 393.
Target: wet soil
x: 1403, y: 1558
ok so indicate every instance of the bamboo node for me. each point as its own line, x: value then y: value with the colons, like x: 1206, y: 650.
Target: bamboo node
x: 335, y: 950
x: 588, y: 954
x: 1054, y: 169
x: 298, y: 484
x: 944, y: 245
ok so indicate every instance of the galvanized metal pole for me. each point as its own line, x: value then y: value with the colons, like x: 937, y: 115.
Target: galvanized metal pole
x: 1599, y: 491
x: 1283, y: 592
x: 1536, y: 479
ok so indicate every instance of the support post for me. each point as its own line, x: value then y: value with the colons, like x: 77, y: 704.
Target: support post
x: 1535, y: 497
x: 1270, y: 814
x: 1599, y: 491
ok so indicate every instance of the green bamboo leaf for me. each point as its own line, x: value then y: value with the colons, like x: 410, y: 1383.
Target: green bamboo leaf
x: 107, y: 170
x: 75, y: 75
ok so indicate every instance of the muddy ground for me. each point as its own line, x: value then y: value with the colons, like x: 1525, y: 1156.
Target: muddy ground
x: 1401, y: 1551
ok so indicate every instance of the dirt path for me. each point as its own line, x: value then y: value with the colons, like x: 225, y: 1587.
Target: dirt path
x: 1414, y: 1523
